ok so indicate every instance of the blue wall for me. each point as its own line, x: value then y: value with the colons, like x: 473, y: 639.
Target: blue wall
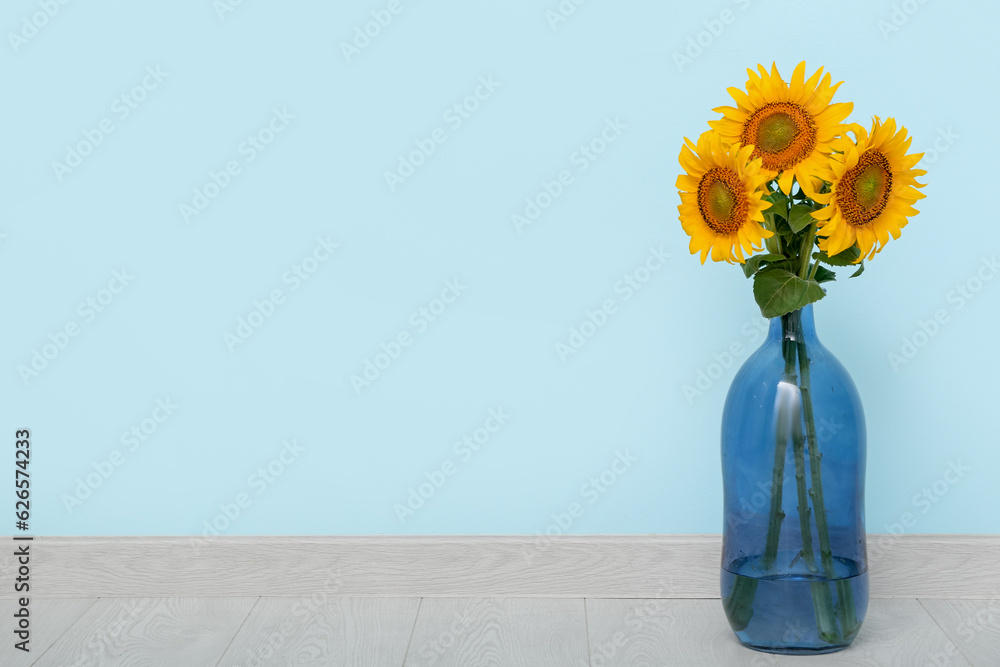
x: 236, y: 164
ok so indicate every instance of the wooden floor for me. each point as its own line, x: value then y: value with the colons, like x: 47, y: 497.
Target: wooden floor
x: 468, y: 632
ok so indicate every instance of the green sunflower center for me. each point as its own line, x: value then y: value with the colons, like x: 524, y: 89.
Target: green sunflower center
x: 783, y: 134
x: 721, y: 201
x: 864, y: 191
x: 776, y: 132
x: 870, y: 186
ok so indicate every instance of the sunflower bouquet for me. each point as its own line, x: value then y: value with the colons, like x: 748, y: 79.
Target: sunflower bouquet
x: 783, y: 186
x: 779, y: 173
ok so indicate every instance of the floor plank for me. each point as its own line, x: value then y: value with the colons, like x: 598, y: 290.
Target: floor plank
x: 149, y: 632
x: 695, y: 632
x: 49, y: 620
x: 638, y: 633
x: 324, y: 631
x: 475, y: 632
x: 571, y: 566
x: 896, y: 633
x: 973, y: 625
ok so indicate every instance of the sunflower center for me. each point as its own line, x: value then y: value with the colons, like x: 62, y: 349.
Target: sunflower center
x: 783, y: 134
x: 721, y: 200
x: 863, y: 192
x: 776, y: 132
x: 870, y: 185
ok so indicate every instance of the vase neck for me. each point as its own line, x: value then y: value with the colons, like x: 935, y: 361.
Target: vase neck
x: 797, y: 325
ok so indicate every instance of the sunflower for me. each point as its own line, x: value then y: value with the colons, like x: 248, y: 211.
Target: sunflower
x: 790, y: 125
x: 721, y: 199
x: 874, y: 187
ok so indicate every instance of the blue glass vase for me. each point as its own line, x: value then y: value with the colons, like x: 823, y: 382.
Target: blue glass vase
x: 794, y: 567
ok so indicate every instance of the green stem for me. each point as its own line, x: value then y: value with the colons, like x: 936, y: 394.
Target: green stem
x: 798, y: 447
x: 815, y: 458
x: 774, y: 244
x: 739, y: 602
x: 814, y: 271
x: 791, y: 333
x: 806, y: 251
x: 845, y: 597
x: 776, y: 514
x: 826, y: 622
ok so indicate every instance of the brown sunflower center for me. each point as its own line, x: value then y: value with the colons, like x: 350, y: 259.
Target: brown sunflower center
x: 863, y: 192
x: 783, y: 134
x: 721, y: 200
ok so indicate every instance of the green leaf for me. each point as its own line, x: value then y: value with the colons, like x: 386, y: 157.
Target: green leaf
x: 779, y: 205
x: 800, y: 217
x: 790, y: 265
x: 779, y: 292
x: 845, y: 258
x: 752, y: 265
x: 780, y: 201
x: 861, y: 269
x: 780, y: 225
x: 824, y: 275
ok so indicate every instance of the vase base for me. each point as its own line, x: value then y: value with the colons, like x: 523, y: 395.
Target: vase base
x: 792, y: 650
x: 795, y: 614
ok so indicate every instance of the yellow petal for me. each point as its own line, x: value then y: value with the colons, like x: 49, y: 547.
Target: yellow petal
x: 785, y: 181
